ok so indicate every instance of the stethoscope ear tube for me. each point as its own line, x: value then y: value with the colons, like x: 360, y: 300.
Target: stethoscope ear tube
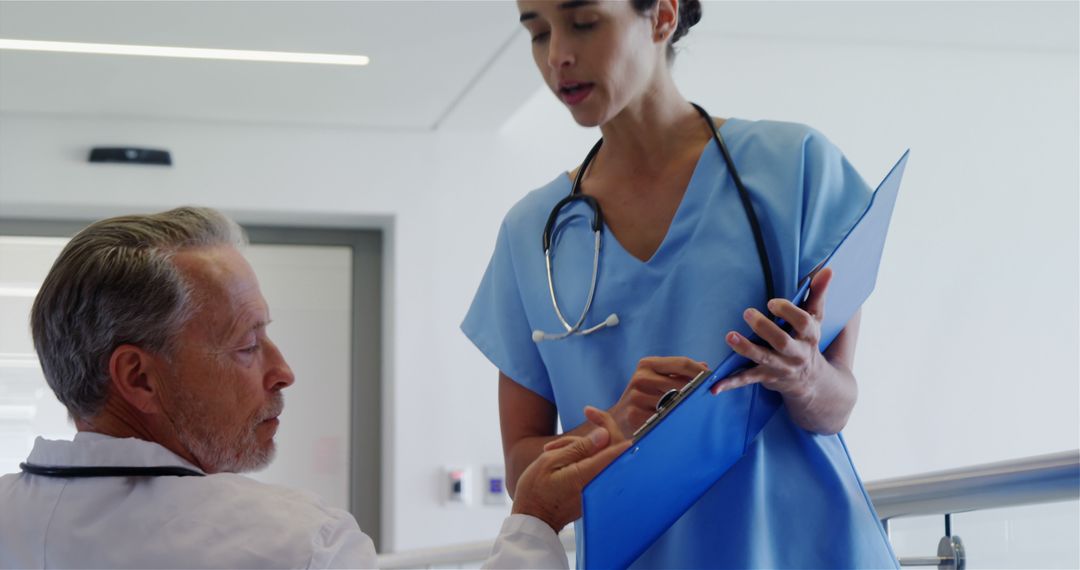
x: 748, y: 206
x: 597, y: 223
x: 575, y: 194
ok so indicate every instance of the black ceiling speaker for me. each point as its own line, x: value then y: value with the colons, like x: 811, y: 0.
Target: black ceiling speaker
x: 131, y: 155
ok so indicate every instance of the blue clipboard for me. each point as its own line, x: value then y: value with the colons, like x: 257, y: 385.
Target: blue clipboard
x: 688, y: 446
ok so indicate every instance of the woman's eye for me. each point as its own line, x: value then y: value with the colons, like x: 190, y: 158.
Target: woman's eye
x: 250, y: 349
x: 584, y: 25
x: 539, y: 37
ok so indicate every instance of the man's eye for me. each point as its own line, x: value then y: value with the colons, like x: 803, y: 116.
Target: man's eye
x: 250, y: 349
x: 584, y: 25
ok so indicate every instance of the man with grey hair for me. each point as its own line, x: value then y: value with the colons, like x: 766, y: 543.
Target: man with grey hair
x: 151, y: 330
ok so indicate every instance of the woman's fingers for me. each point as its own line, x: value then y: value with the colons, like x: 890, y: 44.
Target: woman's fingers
x: 652, y: 383
x: 654, y: 376
x: 672, y: 365
x: 758, y: 354
x: 803, y: 324
x: 819, y: 286
x: 765, y: 328
x: 738, y: 380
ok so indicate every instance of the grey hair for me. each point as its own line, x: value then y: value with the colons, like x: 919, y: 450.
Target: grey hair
x: 115, y: 283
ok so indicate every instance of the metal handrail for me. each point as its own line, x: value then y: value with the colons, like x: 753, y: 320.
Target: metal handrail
x: 1031, y: 480
x: 1027, y: 481
x: 438, y: 556
x: 454, y: 554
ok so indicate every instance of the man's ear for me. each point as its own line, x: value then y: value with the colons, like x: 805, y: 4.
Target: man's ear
x: 665, y: 19
x: 135, y: 375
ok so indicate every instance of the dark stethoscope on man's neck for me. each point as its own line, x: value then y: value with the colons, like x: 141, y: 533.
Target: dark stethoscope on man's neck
x: 83, y: 472
x: 579, y: 328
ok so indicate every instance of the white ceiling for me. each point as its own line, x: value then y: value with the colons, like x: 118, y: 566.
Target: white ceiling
x: 448, y: 63
x: 998, y: 24
x: 424, y: 58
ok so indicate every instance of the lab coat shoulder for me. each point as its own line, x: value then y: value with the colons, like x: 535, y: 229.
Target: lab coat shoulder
x: 275, y: 524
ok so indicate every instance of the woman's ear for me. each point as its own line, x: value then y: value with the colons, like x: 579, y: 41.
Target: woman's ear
x: 665, y: 19
x: 135, y: 377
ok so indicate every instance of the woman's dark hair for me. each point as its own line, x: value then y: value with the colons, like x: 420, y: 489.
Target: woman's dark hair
x: 689, y: 14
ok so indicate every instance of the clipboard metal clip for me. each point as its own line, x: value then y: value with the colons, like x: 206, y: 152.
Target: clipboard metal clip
x: 669, y: 401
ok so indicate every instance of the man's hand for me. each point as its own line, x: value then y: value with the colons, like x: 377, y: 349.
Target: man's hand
x: 550, y: 488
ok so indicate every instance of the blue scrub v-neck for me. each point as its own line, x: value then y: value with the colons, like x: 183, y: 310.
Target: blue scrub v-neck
x: 701, y: 179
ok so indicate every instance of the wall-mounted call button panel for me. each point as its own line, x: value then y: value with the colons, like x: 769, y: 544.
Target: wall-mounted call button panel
x: 457, y: 490
x: 495, y: 485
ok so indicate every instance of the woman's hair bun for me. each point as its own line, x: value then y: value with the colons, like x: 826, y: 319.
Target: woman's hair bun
x: 689, y: 14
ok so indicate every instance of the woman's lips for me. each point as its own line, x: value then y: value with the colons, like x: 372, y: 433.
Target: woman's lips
x: 574, y: 93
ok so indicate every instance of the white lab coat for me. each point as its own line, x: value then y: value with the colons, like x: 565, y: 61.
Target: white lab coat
x: 218, y: 521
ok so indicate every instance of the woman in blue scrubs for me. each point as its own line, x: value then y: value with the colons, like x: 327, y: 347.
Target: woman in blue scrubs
x: 680, y: 269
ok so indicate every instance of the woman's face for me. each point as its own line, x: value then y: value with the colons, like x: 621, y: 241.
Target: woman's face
x: 596, y: 56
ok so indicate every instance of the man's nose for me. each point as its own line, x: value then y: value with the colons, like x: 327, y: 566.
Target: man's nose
x: 278, y: 376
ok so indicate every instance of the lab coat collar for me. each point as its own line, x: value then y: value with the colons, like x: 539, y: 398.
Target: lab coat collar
x: 90, y: 449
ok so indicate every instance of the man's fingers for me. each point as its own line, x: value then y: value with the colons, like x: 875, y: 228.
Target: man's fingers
x: 576, y: 449
x: 590, y: 467
x: 558, y: 443
x: 815, y: 302
x: 602, y: 419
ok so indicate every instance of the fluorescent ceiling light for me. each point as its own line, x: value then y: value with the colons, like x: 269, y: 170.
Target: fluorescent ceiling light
x: 18, y: 291
x: 196, y: 53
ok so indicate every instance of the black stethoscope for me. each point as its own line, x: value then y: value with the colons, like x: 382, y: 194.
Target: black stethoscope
x: 83, y: 472
x: 598, y: 227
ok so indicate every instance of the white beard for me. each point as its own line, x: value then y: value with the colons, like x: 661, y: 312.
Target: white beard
x: 220, y: 451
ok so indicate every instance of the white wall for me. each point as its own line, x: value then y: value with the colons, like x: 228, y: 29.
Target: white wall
x: 307, y: 287
x: 969, y: 346
x: 28, y: 408
x: 971, y: 337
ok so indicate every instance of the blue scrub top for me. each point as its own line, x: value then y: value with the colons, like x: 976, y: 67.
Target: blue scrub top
x: 794, y: 500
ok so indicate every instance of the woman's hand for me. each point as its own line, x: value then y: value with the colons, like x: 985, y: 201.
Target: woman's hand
x: 819, y: 389
x: 792, y: 362
x: 654, y: 376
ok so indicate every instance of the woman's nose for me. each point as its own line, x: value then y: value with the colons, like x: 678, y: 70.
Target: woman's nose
x: 559, y: 52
